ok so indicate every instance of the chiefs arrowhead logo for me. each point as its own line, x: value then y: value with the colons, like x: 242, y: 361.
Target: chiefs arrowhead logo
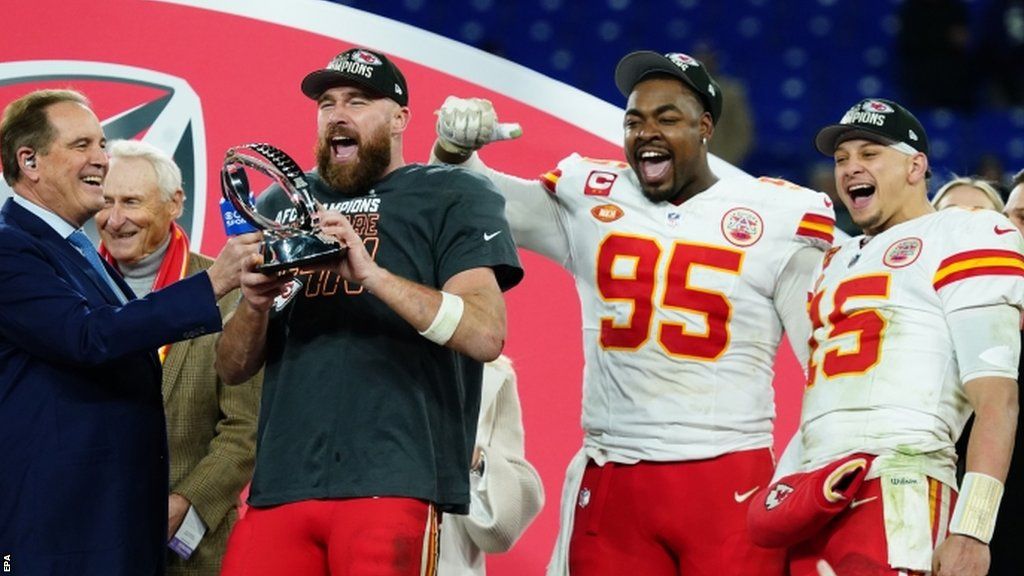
x: 877, y: 106
x: 365, y: 57
x: 902, y: 253
x: 777, y: 495
x: 742, y: 227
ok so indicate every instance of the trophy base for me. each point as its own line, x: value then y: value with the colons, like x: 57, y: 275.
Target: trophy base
x: 298, y: 251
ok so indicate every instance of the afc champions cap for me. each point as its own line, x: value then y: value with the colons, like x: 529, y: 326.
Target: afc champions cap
x: 636, y: 66
x: 877, y: 120
x: 359, y: 66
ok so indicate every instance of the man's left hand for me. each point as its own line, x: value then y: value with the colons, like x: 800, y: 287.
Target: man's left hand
x: 357, y: 265
x: 961, y: 555
x: 177, y: 507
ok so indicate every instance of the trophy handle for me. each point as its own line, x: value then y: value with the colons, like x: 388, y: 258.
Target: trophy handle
x: 287, y: 174
x: 285, y: 246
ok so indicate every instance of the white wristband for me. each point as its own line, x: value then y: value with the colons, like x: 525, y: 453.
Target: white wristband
x: 449, y: 314
x: 977, y: 506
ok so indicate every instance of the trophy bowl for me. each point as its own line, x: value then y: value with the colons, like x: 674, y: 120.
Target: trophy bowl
x: 285, y: 246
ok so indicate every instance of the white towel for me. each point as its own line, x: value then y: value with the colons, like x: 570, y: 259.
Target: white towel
x: 907, y: 520
x: 559, y: 565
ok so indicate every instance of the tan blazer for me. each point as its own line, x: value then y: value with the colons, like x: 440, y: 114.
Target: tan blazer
x: 211, y: 433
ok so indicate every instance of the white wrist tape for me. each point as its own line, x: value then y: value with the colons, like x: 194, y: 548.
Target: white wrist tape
x: 449, y: 314
x: 977, y: 506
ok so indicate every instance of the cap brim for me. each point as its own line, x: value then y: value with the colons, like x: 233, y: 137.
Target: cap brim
x: 830, y: 137
x: 637, y: 65
x: 318, y: 82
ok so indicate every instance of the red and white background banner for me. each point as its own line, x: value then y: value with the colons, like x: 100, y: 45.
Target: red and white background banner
x: 195, y: 78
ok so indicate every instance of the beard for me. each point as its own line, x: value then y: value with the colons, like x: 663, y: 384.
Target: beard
x: 665, y: 191
x: 657, y: 196
x: 354, y: 178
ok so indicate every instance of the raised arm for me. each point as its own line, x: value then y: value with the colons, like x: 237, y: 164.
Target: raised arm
x: 466, y: 125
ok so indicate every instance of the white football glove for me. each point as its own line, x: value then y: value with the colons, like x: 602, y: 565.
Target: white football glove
x: 467, y: 124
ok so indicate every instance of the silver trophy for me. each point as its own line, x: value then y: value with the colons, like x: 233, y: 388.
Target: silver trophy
x: 294, y: 245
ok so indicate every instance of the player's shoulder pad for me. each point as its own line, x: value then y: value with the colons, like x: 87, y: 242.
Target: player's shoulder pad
x: 973, y: 244
x: 972, y: 229
x: 806, y: 215
x: 575, y: 167
x: 777, y: 191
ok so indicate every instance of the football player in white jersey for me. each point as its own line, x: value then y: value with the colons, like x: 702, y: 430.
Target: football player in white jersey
x: 686, y: 283
x: 915, y: 324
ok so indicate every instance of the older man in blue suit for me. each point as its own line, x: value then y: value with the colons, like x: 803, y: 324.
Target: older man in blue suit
x: 83, y: 449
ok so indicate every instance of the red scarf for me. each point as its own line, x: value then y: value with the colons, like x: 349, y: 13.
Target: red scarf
x: 172, y: 267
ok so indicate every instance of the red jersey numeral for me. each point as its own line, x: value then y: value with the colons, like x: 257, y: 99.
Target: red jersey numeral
x: 867, y: 325
x: 638, y: 287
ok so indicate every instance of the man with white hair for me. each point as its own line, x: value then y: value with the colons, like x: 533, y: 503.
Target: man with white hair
x: 211, y: 427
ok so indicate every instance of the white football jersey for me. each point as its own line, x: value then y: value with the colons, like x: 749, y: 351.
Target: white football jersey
x: 679, y: 325
x: 883, y: 376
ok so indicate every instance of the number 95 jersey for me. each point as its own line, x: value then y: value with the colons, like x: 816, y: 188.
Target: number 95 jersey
x: 680, y: 328
x: 884, y: 377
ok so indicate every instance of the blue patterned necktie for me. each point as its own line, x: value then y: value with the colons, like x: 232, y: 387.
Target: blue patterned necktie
x: 84, y: 245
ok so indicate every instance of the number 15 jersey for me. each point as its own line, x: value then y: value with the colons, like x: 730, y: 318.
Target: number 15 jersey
x: 680, y: 327
x: 884, y: 377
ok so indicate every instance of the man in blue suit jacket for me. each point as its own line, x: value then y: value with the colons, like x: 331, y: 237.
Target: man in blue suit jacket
x: 83, y: 449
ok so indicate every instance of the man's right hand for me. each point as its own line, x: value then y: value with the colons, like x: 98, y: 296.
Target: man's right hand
x: 467, y: 124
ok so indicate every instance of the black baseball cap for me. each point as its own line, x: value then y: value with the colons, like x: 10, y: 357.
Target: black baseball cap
x: 360, y: 66
x: 878, y: 120
x: 635, y: 66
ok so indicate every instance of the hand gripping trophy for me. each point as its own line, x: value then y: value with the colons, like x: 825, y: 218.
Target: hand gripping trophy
x: 285, y: 246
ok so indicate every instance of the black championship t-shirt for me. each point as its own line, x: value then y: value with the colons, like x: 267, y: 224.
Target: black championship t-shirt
x: 355, y: 402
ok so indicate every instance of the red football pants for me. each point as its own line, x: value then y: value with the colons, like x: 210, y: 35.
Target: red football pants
x: 854, y: 542
x: 342, y: 537
x: 672, y: 518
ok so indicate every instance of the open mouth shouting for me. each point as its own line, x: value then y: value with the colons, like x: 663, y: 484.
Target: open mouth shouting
x: 344, y: 148
x: 860, y: 195
x: 655, y: 166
